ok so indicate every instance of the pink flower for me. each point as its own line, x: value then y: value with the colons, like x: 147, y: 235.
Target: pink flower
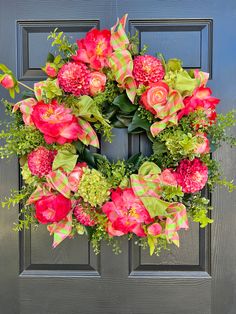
x: 97, y: 83
x: 83, y: 217
x: 154, y: 229
x: 147, y: 70
x: 203, y: 146
x: 126, y: 213
x: 56, y: 122
x: 200, y: 100
x: 156, y: 94
x: 74, y: 78
x: 94, y: 49
x: 168, y: 178
x: 76, y: 175
x: 51, y: 69
x: 52, y: 208
x: 26, y: 108
x: 7, y: 81
x: 191, y: 175
x: 40, y: 161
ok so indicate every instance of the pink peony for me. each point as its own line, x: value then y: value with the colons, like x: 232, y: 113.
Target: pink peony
x: 191, y: 175
x: 154, y: 229
x: 83, y: 217
x: 97, y: 83
x: 74, y: 78
x: 94, y: 49
x: 7, y: 81
x: 200, y: 100
x: 56, y: 122
x: 51, y: 69
x: 52, y: 208
x: 76, y: 175
x: 126, y: 213
x: 156, y: 94
x: 147, y: 70
x: 203, y: 146
x: 40, y: 161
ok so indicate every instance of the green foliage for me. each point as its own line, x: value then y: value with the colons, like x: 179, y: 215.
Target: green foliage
x: 172, y: 193
x: 20, y: 140
x: 50, y: 90
x: 62, y: 43
x: 114, y: 172
x: 198, y: 209
x: 218, y: 132
x: 155, y: 244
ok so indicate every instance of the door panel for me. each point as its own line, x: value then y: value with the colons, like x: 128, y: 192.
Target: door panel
x: 71, y: 278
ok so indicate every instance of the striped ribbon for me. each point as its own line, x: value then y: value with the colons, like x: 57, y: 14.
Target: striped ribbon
x: 88, y: 136
x: 38, y: 90
x: 58, y: 181
x: 60, y: 230
x: 41, y: 190
x: 26, y: 108
x: 178, y: 220
x: 120, y: 61
x: 147, y: 185
x: 167, y: 113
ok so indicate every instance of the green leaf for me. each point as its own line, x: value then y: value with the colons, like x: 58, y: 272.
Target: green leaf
x: 12, y: 93
x: 174, y: 65
x: 57, y: 60
x: 88, y: 157
x: 4, y: 68
x: 125, y: 119
x: 50, y: 57
x: 65, y: 160
x: 135, y: 161
x: 159, y: 148
x: 123, y: 102
x: 155, y: 206
x: 79, y: 146
x: 152, y: 241
x: 88, y: 110
x: 138, y: 124
x: 89, y: 231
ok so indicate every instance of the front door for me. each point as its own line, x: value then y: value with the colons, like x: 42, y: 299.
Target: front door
x: 198, y: 278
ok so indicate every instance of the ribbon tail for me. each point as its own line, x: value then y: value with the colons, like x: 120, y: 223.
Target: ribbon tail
x: 61, y: 230
x: 87, y: 136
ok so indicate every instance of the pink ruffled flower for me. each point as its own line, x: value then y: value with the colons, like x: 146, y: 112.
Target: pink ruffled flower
x: 147, y: 70
x: 154, y: 229
x: 191, y: 175
x: 26, y: 108
x: 74, y: 78
x: 52, y: 208
x: 76, y: 175
x: 200, y: 100
x: 7, y: 81
x: 40, y: 161
x: 83, y: 217
x: 56, y: 122
x: 156, y: 94
x: 94, y: 49
x: 51, y: 69
x: 126, y: 213
x: 97, y: 83
x: 203, y: 146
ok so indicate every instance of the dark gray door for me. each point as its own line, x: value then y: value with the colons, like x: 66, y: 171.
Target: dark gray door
x: 198, y: 278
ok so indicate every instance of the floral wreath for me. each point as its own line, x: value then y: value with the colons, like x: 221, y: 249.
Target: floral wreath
x: 102, y: 82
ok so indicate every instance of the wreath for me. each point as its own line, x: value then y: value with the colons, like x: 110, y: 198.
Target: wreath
x: 103, y: 82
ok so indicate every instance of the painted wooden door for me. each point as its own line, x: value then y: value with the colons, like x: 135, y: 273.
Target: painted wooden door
x: 198, y: 278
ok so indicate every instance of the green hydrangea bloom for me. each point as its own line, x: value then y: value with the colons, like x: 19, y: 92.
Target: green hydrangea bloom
x: 93, y: 187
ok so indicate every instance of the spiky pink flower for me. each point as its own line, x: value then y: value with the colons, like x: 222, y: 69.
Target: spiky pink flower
x: 191, y: 175
x: 83, y: 217
x: 40, y: 161
x: 147, y: 70
x: 74, y: 78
